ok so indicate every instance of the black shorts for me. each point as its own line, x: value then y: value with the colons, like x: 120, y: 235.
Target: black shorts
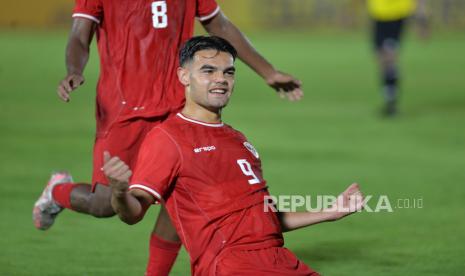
x: 387, y: 32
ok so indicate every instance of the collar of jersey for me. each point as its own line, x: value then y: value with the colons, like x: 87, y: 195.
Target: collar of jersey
x: 198, y: 122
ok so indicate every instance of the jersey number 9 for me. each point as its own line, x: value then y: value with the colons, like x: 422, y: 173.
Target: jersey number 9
x: 247, y: 170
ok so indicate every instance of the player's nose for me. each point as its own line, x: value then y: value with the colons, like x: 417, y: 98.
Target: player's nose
x: 219, y: 75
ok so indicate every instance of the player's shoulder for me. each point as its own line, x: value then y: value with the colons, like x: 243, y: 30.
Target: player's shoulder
x: 172, y: 128
x: 234, y: 131
x: 158, y: 139
x: 174, y: 125
x: 163, y: 131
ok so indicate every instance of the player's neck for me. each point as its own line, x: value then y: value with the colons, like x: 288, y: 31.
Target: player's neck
x: 202, y: 114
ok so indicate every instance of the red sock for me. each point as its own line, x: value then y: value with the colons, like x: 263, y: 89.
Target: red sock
x: 61, y: 193
x: 162, y: 255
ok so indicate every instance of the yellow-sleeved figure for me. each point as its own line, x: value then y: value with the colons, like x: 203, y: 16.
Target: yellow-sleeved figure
x: 389, y: 10
x: 389, y: 18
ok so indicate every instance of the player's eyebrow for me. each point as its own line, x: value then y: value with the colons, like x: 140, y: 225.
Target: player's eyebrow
x: 211, y: 67
x: 207, y: 66
x: 229, y: 69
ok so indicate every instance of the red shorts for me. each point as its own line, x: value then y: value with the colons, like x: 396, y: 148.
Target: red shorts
x: 268, y: 261
x: 123, y: 140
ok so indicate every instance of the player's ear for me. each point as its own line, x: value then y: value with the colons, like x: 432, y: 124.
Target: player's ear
x: 183, y: 76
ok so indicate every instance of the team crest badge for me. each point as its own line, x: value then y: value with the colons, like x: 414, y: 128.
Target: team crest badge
x: 251, y: 149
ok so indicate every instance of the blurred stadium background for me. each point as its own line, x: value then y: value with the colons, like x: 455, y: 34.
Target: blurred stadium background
x: 317, y: 146
x: 249, y: 15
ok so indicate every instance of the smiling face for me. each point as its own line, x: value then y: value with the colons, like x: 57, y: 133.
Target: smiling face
x: 209, y: 79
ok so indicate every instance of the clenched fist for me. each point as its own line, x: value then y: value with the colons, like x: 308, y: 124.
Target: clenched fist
x: 117, y: 173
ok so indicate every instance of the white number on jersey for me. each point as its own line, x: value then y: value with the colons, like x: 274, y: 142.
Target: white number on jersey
x: 159, y: 18
x: 247, y: 170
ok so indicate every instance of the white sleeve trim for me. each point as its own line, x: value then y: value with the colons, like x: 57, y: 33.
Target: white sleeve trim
x: 157, y: 196
x: 95, y: 19
x: 211, y: 15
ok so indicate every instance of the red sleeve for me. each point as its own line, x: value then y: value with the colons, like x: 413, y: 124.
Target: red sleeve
x: 158, y: 164
x: 206, y: 9
x: 90, y: 9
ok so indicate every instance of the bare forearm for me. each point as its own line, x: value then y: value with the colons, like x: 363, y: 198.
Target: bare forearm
x: 295, y: 220
x: 77, y: 55
x: 348, y: 202
x: 128, y: 207
x: 222, y: 27
x: 77, y: 50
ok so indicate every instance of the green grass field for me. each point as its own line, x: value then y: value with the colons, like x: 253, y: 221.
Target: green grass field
x: 318, y: 146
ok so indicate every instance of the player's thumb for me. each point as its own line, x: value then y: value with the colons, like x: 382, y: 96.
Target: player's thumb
x: 106, y: 157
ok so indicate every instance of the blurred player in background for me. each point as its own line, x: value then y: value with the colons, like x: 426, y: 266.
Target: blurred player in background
x: 138, y: 42
x: 209, y: 178
x: 389, y: 19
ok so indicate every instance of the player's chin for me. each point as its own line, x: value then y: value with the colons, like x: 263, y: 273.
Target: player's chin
x: 219, y: 102
x: 218, y: 106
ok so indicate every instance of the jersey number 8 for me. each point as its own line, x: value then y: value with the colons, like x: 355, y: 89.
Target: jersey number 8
x: 159, y: 17
x: 247, y: 170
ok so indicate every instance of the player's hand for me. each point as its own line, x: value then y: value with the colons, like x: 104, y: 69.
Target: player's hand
x: 117, y: 173
x: 348, y: 202
x: 286, y: 85
x: 68, y: 84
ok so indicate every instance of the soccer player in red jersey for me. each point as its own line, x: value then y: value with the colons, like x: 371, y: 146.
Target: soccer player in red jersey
x: 138, y: 42
x: 209, y: 178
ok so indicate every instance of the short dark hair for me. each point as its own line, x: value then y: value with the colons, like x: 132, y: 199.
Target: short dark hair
x: 199, y: 43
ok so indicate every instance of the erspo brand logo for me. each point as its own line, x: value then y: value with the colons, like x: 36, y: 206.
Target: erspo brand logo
x: 204, y: 149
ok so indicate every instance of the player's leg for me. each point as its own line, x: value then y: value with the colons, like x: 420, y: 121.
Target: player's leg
x: 96, y: 203
x: 62, y: 193
x: 45, y: 208
x: 164, y: 246
x: 387, y: 39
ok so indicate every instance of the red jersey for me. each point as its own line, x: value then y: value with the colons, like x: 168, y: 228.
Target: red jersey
x: 138, y: 43
x: 210, y: 180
